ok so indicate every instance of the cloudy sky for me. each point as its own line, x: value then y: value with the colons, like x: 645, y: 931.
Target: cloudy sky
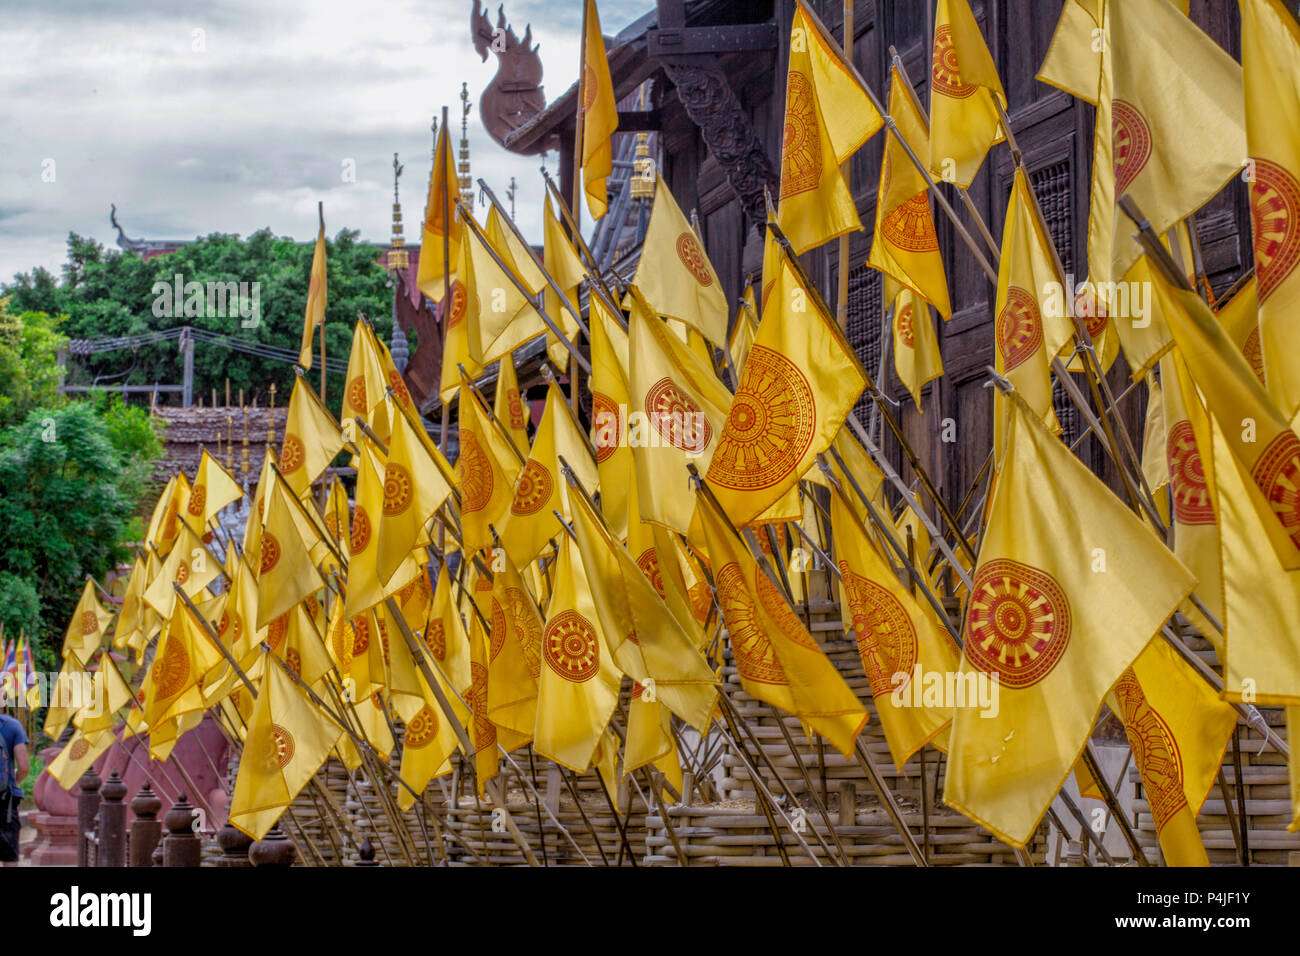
x: 206, y: 116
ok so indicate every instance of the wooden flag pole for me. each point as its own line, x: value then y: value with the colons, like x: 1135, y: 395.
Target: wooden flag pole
x: 320, y: 211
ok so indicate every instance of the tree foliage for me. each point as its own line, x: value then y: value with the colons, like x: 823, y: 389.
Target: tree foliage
x: 111, y: 293
x: 29, y: 374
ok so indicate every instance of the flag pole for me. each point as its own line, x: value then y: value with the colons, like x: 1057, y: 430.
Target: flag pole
x: 846, y: 172
x: 578, y: 129
x: 581, y: 243
x: 438, y: 156
x: 320, y: 211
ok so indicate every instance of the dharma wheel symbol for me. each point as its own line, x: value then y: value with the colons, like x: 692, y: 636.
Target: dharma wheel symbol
x: 770, y: 424
x: 946, y: 70
x: 475, y: 473
x: 1019, y: 330
x: 398, y: 385
x: 801, y: 149
x: 292, y: 453
x: 89, y: 623
x: 648, y: 562
x: 361, y: 529
x: 80, y: 747
x: 527, y: 629
x: 1187, y: 472
x: 171, y: 669
x: 435, y: 638
x: 1155, y: 750
x: 198, y: 498
x: 280, y: 747
x: 230, y: 627
x: 903, y: 323
x: 459, y: 304
x: 533, y: 490
x: 749, y: 644
x: 572, y: 648
x: 679, y: 420
x: 277, y: 630
x: 1131, y: 143
x: 422, y: 728
x: 271, y: 552
x: 694, y: 259
x: 1018, y: 622
x: 356, y: 394
x: 399, y: 489
x: 910, y: 226
x: 1277, y: 474
x: 886, y: 638
x: 602, y: 405
x: 1275, y: 215
x: 497, y: 630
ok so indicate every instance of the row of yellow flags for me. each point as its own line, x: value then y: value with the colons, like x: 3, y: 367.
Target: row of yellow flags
x: 1040, y: 612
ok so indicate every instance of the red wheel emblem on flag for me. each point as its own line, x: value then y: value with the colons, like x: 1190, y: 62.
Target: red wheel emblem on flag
x: 946, y: 72
x: 89, y: 623
x: 80, y: 747
x: 422, y: 729
x: 1018, y: 622
x: 533, y: 490
x: 694, y: 259
x: 1277, y: 474
x: 527, y: 629
x: 293, y: 661
x: 459, y: 304
x: 342, y: 642
x: 604, y: 415
x: 910, y: 226
x: 779, y: 609
x: 515, y: 407
x: 292, y: 453
x: 648, y: 562
x: 769, y: 427
x: 277, y: 629
x: 198, y: 498
x: 398, y: 385
x: 886, y: 637
x: 435, y: 639
x: 230, y: 627
x: 171, y: 669
x: 313, y: 606
x: 183, y: 571
x: 356, y: 394
x: 903, y: 319
x: 1019, y: 329
x: 749, y: 644
x: 589, y: 87
x: 361, y: 636
x: 801, y: 147
x: 418, y: 585
x: 496, y: 630
x: 679, y: 420
x: 485, y: 732
x: 280, y: 748
x: 399, y: 489
x: 333, y: 524
x: 701, y: 599
x: 1275, y: 218
x: 1155, y: 750
x: 1187, y: 472
x: 1132, y: 143
x: 572, y: 647
x: 270, y: 553
x: 475, y: 474
x: 360, y: 530
x: 1092, y: 310
x: 1254, y: 353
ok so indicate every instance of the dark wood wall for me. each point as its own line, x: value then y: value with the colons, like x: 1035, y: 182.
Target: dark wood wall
x: 1055, y: 133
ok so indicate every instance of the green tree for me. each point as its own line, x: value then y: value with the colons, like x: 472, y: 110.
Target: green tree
x: 29, y: 373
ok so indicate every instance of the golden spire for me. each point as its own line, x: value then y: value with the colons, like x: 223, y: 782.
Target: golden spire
x: 398, y: 257
x: 462, y: 168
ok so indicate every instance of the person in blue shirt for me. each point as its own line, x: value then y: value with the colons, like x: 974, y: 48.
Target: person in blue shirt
x: 13, y: 757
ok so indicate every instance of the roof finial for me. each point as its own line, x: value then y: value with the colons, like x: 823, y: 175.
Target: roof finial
x: 398, y: 257
x: 462, y: 168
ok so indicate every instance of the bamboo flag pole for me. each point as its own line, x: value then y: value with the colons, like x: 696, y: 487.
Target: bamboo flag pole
x: 320, y: 211
x: 578, y: 131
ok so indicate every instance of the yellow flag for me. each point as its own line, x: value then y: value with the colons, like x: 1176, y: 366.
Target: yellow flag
x: 461, y: 339
x: 136, y: 621
x: 183, y: 656
x: 366, y: 588
x: 112, y: 693
x: 917, y: 358
x: 1261, y: 597
x: 78, y: 755
x: 743, y: 330
x: 779, y: 661
x: 514, y: 653
x: 88, y: 625
x: 440, y: 217
x: 485, y: 473
x: 445, y: 635
x: 1270, y: 55
x: 1155, y: 464
x: 828, y: 117
x: 484, y: 733
x: 799, y: 383
x: 429, y: 740
x: 1191, y: 477
x: 502, y: 309
x: 415, y: 486
x: 1293, y: 728
x: 72, y: 675
x: 905, y: 246
x: 311, y: 439
x: 1069, y: 588
x: 190, y: 565
x: 508, y: 406
x: 964, y: 98
x: 285, y: 574
x: 316, y: 297
x: 1029, y: 330
x: 904, y: 649
x: 295, y: 639
x: 213, y: 489
x: 540, y: 488
x: 649, y: 643
x: 577, y: 688
x: 610, y: 399
x: 1257, y: 431
x: 599, y: 114
x: 674, y: 273
x: 163, y: 520
x: 1178, y: 729
x: 566, y: 268
x: 288, y: 739
x: 368, y: 381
